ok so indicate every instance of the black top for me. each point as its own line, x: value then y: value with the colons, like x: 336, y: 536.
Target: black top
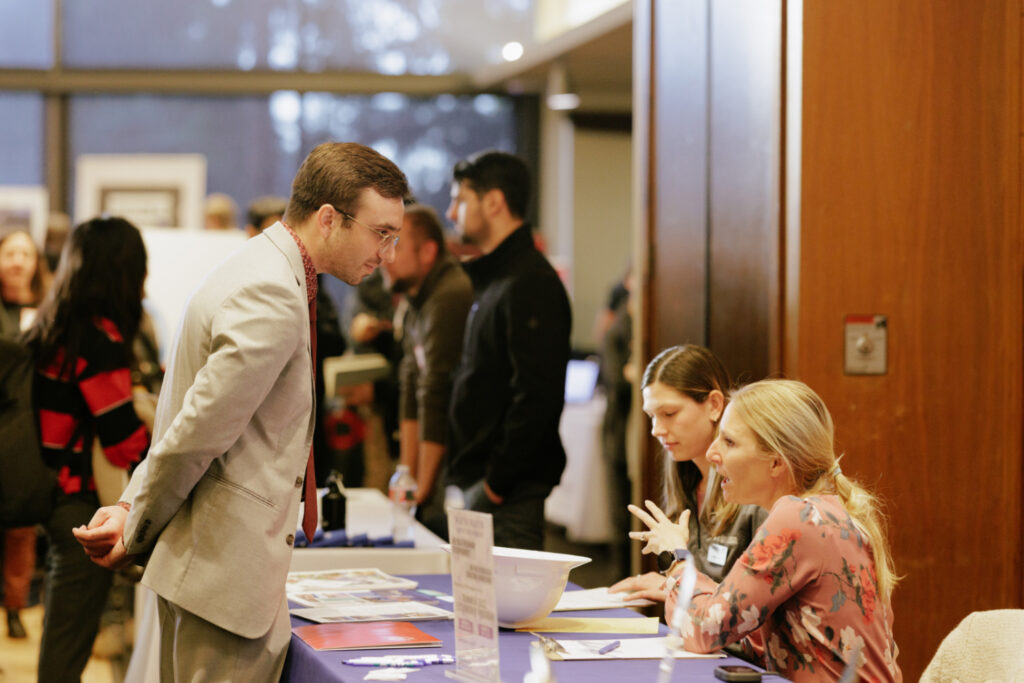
x: 509, y: 388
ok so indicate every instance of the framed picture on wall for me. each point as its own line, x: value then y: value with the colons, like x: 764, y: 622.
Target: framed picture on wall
x: 153, y: 207
x: 24, y: 207
x: 150, y: 190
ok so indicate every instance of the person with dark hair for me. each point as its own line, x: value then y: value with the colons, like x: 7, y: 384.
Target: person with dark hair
x: 685, y: 390
x: 263, y: 212
x: 81, y: 338
x: 504, y: 450
x: 24, y: 279
x: 212, y: 509
x: 439, y: 295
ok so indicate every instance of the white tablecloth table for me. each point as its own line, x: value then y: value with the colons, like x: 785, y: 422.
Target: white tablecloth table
x: 582, y: 500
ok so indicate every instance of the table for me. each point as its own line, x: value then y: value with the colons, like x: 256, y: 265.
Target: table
x: 368, y: 511
x: 306, y: 665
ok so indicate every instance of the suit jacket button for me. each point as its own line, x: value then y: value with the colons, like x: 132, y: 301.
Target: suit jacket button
x: 290, y: 540
x: 298, y: 482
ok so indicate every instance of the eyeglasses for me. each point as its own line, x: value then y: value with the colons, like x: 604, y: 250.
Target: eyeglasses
x: 387, y: 239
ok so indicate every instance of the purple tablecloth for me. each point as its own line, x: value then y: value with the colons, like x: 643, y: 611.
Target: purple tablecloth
x: 306, y: 665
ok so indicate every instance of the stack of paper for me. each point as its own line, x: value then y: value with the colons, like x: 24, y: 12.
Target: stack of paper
x: 354, y: 595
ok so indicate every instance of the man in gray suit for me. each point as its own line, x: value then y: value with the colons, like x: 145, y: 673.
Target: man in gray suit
x: 211, y: 511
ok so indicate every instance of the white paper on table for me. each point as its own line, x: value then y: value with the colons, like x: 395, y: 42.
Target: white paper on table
x: 629, y: 648
x: 596, y: 598
x: 350, y: 580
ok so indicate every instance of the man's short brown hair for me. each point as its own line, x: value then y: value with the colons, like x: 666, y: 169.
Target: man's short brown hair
x: 425, y: 226
x: 336, y: 173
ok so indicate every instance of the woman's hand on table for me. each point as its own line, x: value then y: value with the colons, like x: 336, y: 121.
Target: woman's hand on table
x: 649, y: 586
x: 663, y: 534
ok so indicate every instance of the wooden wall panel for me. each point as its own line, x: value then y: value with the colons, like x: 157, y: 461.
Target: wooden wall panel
x: 744, y: 172
x: 671, y: 141
x: 910, y: 208
x: 678, y: 184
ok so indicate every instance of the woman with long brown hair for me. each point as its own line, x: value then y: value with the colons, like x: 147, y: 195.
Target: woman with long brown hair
x: 82, y: 340
x: 685, y: 390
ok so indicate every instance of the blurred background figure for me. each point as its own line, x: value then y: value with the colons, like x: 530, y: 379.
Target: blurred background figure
x: 58, y: 225
x: 376, y: 318
x: 24, y: 279
x: 81, y: 337
x: 220, y: 212
x: 439, y: 295
x: 614, y: 335
x: 262, y: 213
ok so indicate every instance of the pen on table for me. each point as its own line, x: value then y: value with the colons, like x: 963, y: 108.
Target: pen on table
x: 400, y: 661
x: 609, y: 647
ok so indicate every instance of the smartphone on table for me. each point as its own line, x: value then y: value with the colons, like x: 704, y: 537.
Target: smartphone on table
x: 731, y: 672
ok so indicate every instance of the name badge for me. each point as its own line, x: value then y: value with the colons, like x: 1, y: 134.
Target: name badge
x: 717, y: 554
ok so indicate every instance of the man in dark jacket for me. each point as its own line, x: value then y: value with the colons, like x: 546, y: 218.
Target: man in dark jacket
x: 504, y: 449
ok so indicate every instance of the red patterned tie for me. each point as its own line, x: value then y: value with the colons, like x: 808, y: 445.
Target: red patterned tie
x: 309, y: 503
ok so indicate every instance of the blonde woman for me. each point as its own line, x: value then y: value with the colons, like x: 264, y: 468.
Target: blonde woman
x: 812, y: 592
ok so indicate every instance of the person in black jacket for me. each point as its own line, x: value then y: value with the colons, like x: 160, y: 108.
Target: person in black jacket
x: 509, y: 388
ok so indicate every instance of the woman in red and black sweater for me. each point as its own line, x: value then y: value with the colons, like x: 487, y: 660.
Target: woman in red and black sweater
x: 82, y: 340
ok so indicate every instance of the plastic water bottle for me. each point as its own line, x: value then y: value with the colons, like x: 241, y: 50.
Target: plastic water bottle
x: 402, y: 492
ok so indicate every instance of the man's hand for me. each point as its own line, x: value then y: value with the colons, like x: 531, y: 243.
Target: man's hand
x: 650, y: 586
x: 365, y: 327
x: 102, y: 538
x: 664, y: 534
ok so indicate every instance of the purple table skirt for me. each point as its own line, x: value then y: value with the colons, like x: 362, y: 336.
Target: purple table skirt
x: 306, y: 665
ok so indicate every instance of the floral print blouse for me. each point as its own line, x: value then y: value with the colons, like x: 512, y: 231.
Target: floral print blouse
x: 800, y: 599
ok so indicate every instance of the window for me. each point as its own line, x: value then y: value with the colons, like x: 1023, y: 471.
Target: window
x: 21, y: 138
x: 416, y: 37
x: 254, y: 145
x: 26, y: 34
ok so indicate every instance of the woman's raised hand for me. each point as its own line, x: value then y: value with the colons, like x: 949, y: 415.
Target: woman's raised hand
x: 663, y: 534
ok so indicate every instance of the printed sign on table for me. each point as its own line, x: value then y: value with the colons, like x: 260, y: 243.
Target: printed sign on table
x: 476, y: 618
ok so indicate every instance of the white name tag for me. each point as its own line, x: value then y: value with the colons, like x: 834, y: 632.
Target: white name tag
x: 717, y: 554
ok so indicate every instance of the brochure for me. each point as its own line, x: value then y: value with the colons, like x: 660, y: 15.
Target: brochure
x: 344, y: 580
x: 383, y: 605
x: 369, y: 636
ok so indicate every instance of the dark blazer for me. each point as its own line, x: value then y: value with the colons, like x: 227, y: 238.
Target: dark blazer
x: 27, y: 486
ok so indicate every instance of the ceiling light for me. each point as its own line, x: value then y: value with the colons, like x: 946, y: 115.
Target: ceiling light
x: 512, y: 51
x: 563, y: 101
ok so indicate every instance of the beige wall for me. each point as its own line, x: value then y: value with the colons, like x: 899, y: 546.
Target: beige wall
x: 602, y: 215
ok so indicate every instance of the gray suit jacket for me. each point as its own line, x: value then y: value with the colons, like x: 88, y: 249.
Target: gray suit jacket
x: 215, y: 503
